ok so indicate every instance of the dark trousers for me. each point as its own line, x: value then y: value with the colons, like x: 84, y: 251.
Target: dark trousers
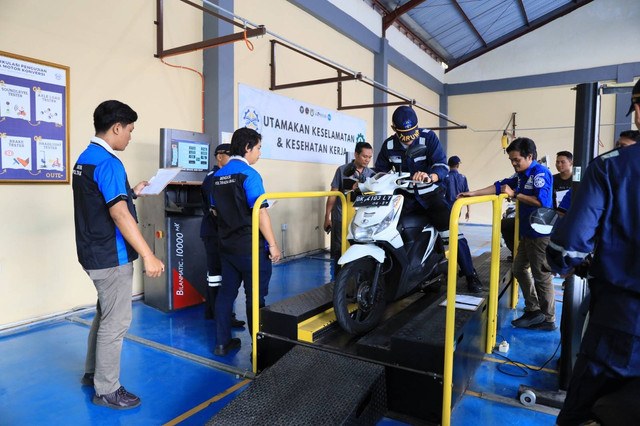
x: 508, y: 229
x: 214, y: 275
x: 439, y: 212
x: 539, y: 294
x: 336, y: 243
x: 609, y: 359
x: 237, y: 268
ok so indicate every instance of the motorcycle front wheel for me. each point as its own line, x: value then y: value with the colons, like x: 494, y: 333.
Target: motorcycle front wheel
x: 356, y: 311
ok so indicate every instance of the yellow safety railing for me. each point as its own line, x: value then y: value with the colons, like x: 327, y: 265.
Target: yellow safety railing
x: 516, y: 243
x: 255, y: 277
x: 494, y: 276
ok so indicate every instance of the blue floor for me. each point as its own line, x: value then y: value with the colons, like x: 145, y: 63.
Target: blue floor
x: 40, y: 368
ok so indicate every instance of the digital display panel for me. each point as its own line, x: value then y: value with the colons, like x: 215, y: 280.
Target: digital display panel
x: 191, y: 156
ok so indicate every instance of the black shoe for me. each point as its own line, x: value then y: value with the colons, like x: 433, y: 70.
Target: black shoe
x: 223, y: 350
x: 528, y: 319
x: 473, y: 284
x: 120, y: 399
x: 544, y: 326
x: 236, y: 323
x: 87, y: 379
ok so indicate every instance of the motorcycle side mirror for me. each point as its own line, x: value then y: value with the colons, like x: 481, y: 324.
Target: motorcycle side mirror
x: 416, y: 150
x: 543, y: 219
x: 350, y: 170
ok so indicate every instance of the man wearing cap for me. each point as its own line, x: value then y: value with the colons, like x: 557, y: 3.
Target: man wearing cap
x: 455, y: 183
x: 418, y: 151
x: 209, y: 235
x: 604, y: 217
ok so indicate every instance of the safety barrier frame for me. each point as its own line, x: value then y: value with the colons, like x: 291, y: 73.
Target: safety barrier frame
x: 255, y: 242
x: 494, y: 277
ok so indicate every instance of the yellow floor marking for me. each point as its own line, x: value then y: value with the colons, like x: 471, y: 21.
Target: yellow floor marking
x: 206, y: 403
x: 504, y: 361
x: 479, y: 247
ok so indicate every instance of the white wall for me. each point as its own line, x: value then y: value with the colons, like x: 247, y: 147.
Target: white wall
x: 109, y: 48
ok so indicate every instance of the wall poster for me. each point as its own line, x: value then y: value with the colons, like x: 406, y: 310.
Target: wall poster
x: 34, y: 120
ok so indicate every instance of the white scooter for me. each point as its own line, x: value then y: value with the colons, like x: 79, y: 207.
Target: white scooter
x: 391, y: 254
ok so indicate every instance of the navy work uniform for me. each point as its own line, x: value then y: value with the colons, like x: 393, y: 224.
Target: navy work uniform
x: 604, y: 215
x: 455, y: 183
x: 209, y: 236
x: 433, y: 160
x: 236, y: 187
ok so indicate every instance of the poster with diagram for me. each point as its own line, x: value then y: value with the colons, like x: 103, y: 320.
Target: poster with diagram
x: 34, y: 120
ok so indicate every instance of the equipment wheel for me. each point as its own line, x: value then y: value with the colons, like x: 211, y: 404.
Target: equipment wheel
x: 528, y: 398
x: 355, y: 310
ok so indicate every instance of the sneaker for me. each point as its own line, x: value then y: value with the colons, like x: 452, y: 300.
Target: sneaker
x: 544, y: 326
x: 528, y: 319
x: 473, y: 284
x: 120, y: 399
x: 223, y: 350
x: 87, y: 379
x: 236, y: 323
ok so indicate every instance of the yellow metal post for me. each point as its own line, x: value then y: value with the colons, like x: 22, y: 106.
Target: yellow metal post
x: 492, y: 311
x: 516, y: 243
x: 449, y: 330
x: 494, y: 275
x: 255, y: 241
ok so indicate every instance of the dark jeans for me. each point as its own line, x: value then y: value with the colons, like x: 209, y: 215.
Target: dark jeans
x: 508, y: 229
x: 439, y: 212
x: 608, y: 360
x: 237, y: 268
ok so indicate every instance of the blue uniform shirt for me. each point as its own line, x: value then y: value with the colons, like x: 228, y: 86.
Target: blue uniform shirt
x: 536, y: 181
x: 236, y: 187
x: 455, y: 183
x: 606, y: 211
x: 99, y: 182
x: 393, y: 154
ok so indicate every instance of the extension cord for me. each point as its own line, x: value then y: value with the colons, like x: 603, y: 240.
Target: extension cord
x: 503, y: 347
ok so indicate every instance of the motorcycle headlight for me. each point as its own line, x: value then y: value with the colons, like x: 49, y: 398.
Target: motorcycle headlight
x: 362, y: 233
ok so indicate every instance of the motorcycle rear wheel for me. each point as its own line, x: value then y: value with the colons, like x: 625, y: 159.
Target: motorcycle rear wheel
x: 352, y: 290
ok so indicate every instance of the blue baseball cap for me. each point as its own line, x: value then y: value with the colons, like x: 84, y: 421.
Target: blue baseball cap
x: 404, y: 119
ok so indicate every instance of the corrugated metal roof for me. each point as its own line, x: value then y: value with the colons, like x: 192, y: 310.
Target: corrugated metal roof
x: 460, y: 30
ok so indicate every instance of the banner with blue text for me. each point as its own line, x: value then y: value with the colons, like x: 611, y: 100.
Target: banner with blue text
x: 293, y: 130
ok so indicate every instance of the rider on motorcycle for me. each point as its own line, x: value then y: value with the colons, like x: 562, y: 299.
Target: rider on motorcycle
x: 418, y: 151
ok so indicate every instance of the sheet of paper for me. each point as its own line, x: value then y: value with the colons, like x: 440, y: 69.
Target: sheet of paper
x: 162, y: 178
x: 468, y: 303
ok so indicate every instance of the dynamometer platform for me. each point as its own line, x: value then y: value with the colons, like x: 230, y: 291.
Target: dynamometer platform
x: 408, y: 346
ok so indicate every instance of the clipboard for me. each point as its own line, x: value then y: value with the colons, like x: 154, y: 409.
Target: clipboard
x: 160, y: 181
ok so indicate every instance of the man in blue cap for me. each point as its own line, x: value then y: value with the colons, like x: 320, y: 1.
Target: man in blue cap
x: 455, y: 183
x: 418, y: 151
x: 209, y: 236
x: 603, y: 219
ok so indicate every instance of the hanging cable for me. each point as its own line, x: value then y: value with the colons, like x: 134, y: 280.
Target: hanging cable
x: 201, y: 78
